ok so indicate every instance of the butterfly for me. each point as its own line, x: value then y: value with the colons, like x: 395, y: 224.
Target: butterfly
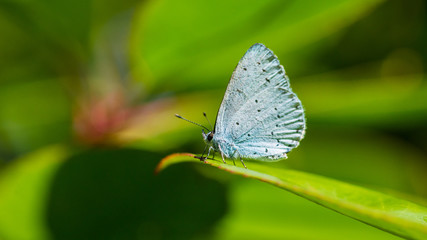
x: 260, y: 117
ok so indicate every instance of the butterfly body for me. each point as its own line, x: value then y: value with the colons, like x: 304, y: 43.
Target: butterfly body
x: 260, y: 117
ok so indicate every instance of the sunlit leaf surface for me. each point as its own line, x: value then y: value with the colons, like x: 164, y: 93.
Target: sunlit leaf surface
x: 24, y: 189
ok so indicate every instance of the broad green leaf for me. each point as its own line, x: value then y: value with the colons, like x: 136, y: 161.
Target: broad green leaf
x: 186, y: 41
x: 24, y: 189
x: 391, y: 214
x: 259, y: 211
x: 385, y: 162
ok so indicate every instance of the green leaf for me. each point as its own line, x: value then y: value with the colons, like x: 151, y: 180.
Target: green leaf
x: 391, y: 214
x: 202, y: 42
x: 24, y: 188
x: 258, y: 211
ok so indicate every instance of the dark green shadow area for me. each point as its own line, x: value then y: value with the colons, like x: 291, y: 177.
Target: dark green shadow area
x: 114, y: 194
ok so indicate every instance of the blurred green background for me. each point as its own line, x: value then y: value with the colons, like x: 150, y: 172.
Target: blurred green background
x: 89, y: 89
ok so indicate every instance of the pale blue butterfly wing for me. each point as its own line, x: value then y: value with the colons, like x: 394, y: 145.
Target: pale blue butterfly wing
x: 260, y: 117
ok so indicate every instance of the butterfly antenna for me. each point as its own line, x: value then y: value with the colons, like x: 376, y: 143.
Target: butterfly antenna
x: 204, y: 114
x: 179, y: 116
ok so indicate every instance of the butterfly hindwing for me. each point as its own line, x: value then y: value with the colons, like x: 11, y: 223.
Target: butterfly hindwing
x: 260, y: 114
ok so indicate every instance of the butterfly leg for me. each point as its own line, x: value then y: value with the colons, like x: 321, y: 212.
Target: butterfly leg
x: 222, y: 154
x: 233, y: 157
x: 202, y: 158
x: 209, y: 152
x: 241, y: 159
x: 242, y: 162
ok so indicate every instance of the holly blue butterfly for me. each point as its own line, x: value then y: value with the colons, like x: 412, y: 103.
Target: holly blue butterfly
x: 260, y: 118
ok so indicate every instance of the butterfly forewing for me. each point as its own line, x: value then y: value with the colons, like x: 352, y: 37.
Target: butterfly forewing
x: 260, y: 114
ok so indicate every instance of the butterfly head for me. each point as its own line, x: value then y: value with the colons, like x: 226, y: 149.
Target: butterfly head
x: 207, y: 137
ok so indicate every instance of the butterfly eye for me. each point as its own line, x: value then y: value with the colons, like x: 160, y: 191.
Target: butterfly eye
x: 210, y: 136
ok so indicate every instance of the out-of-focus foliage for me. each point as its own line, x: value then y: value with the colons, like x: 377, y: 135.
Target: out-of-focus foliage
x: 24, y: 187
x: 111, y: 74
x: 113, y: 194
x: 220, y: 33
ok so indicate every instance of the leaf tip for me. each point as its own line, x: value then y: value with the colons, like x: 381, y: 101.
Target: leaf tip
x: 170, y: 159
